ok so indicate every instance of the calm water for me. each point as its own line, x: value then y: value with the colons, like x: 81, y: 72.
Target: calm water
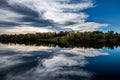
x: 20, y: 62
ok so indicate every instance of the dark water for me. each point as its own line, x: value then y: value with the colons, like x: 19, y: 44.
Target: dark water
x: 20, y: 62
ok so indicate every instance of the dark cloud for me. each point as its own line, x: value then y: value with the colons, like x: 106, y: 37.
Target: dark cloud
x: 18, y: 9
x: 29, y: 16
x: 38, y: 22
x: 3, y: 3
x: 8, y: 24
x: 24, y: 11
x: 69, y: 23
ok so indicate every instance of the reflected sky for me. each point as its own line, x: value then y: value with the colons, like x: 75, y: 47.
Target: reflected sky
x: 20, y: 62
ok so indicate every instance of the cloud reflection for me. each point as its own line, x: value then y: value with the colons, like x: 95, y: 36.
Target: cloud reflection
x: 60, y: 64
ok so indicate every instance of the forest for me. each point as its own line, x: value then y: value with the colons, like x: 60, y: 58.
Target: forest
x: 96, y: 38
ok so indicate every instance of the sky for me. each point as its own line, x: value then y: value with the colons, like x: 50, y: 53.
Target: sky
x: 31, y: 16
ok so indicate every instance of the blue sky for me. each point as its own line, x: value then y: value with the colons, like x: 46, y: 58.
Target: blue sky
x: 106, y: 11
x: 30, y: 16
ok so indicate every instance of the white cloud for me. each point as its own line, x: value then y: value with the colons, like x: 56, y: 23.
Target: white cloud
x: 87, y: 52
x: 88, y: 26
x: 23, y: 48
x: 23, y: 29
x: 53, y: 9
x: 61, y: 60
x: 58, y: 11
x: 8, y: 15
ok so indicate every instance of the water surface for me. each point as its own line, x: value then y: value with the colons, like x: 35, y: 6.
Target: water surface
x: 25, y: 62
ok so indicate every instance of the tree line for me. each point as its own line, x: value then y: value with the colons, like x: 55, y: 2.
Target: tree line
x: 85, y: 38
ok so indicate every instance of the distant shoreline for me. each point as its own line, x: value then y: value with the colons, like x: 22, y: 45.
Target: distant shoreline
x: 87, y: 39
